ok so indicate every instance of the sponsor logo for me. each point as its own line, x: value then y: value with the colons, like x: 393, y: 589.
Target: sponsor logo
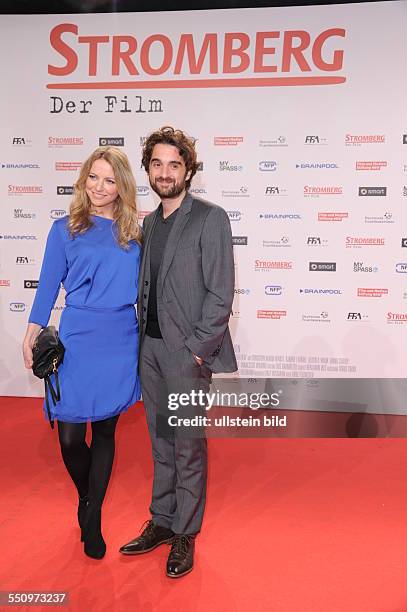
x: 113, y: 141
x: 358, y: 266
x: 401, y: 268
x: 24, y: 260
x: 371, y: 165
x: 239, y: 240
x: 21, y: 141
x: 30, y: 284
x: 200, y: 167
x: 227, y: 141
x: 20, y: 166
x: 226, y: 166
x: 243, y: 192
x: 17, y: 306
x: 386, y: 218
x: 404, y: 190
x: 57, y: 213
x: 396, y: 317
x: 234, y: 215
x: 69, y: 141
x: 198, y: 190
x: 271, y: 314
x: 316, y: 241
x: 68, y: 166
x: 404, y: 242
x: 242, y: 291
x: 64, y: 189
x: 17, y: 237
x: 322, y: 266
x: 273, y: 290
x: 4, y: 282
x: 321, y: 291
x: 404, y: 138
x: 267, y: 166
x: 143, y: 190
x: 280, y: 141
x: 322, y: 317
x: 359, y: 241
x: 20, y: 214
x: 317, y: 190
x: 275, y: 190
x: 17, y: 190
x: 280, y: 216
x: 357, y: 140
x: 283, y: 242
x: 266, y: 264
x: 372, y: 191
x: 371, y: 292
x: 332, y: 216
x: 316, y: 166
x: 315, y: 140
x: 355, y: 316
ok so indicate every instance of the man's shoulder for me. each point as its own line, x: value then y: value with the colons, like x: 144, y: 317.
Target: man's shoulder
x: 205, y: 207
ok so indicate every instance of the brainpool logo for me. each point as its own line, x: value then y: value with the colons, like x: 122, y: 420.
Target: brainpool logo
x: 280, y: 216
x: 198, y: 190
x: 65, y: 189
x: 273, y: 290
x: 111, y: 141
x: 268, y: 166
x: 8, y: 166
x: 318, y: 291
x: 17, y: 306
x: 316, y: 166
x: 17, y: 237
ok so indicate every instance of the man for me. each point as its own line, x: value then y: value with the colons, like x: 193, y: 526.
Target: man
x: 186, y: 288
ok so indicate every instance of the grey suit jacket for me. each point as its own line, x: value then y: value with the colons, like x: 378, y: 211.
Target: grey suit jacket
x: 195, y: 285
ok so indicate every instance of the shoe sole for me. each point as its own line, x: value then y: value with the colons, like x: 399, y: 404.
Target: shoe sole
x: 180, y: 575
x: 141, y: 552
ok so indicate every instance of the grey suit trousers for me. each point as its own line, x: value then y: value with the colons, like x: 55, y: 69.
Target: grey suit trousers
x: 180, y: 459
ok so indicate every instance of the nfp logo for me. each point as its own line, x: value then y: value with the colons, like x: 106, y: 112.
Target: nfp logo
x: 322, y: 266
x: 57, y: 214
x: 273, y: 290
x: 234, y: 215
x: 401, y: 268
x: 143, y: 190
x: 17, y: 306
x: 267, y: 166
x: 372, y: 191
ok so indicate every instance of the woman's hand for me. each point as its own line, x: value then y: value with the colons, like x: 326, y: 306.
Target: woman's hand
x: 32, y: 332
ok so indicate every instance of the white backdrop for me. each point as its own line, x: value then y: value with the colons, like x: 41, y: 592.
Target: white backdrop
x: 306, y: 149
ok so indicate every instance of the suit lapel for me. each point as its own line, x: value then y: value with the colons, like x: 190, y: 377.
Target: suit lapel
x: 174, y: 237
x: 145, y: 257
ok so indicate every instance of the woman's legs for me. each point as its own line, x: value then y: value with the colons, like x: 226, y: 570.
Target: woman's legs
x: 90, y: 470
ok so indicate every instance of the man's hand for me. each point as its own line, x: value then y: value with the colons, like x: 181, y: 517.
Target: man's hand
x: 199, y: 360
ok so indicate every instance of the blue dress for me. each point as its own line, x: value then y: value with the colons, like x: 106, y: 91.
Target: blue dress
x: 98, y: 326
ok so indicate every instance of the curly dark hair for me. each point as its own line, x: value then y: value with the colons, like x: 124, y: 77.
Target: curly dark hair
x: 185, y: 145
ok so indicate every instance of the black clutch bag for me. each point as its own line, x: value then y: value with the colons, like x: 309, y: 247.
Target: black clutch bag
x: 48, y: 354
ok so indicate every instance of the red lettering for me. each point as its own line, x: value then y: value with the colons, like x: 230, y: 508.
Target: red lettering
x: 261, y: 50
x: 229, y: 52
x: 337, y: 60
x: 186, y: 43
x: 290, y: 51
x: 145, y: 54
x: 63, y: 49
x: 119, y: 55
x: 93, y: 42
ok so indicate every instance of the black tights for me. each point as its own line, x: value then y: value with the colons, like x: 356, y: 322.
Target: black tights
x: 89, y: 467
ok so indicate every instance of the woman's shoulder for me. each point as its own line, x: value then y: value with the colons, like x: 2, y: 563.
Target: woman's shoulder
x: 60, y: 227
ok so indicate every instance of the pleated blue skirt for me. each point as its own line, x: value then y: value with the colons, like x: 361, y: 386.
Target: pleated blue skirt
x: 98, y: 377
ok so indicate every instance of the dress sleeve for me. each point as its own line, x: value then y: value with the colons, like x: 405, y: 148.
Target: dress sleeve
x: 53, y: 272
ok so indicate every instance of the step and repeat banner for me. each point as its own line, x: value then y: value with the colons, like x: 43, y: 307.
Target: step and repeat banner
x: 300, y: 119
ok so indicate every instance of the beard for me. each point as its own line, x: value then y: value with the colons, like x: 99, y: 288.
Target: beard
x: 167, y: 189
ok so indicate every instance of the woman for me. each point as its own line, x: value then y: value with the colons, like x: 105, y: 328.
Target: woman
x: 95, y: 253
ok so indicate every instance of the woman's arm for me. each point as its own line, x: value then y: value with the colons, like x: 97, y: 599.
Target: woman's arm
x: 33, y: 329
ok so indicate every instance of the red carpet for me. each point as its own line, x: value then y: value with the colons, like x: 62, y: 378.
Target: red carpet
x: 291, y: 525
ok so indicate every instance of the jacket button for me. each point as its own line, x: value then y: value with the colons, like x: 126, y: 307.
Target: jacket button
x: 144, y: 308
x: 146, y: 283
x: 145, y: 295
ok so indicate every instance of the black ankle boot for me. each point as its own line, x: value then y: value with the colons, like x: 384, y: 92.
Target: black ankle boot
x: 82, y: 507
x: 95, y: 545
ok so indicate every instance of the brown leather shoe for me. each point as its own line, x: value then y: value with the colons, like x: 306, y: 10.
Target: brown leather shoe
x: 181, y: 558
x: 152, y: 536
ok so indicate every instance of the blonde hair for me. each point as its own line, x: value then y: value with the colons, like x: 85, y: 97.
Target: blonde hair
x: 125, y: 214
